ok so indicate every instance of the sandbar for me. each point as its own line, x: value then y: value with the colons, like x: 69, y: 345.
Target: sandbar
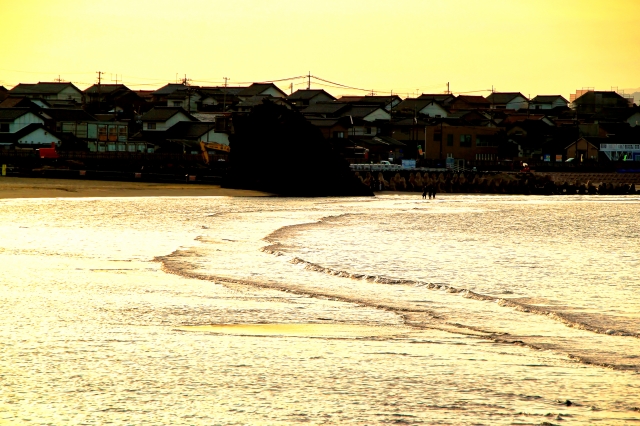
x: 15, y: 187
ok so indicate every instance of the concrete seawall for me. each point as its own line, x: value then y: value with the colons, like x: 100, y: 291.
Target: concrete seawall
x: 505, y: 183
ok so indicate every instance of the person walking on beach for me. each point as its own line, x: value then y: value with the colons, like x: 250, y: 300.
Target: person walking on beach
x: 424, y: 193
x: 433, y: 192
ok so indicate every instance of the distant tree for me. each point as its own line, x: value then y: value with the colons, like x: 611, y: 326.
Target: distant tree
x: 274, y: 149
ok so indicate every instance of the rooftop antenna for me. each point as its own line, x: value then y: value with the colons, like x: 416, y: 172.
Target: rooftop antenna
x: 58, y: 80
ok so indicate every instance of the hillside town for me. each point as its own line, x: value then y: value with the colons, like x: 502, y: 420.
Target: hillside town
x: 592, y: 128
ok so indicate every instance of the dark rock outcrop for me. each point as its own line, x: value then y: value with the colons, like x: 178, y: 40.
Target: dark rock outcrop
x: 277, y: 150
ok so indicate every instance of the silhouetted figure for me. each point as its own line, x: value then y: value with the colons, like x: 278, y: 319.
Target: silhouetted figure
x: 433, y: 191
x: 424, y: 193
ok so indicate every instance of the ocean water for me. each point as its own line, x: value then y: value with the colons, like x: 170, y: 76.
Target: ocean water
x: 200, y: 311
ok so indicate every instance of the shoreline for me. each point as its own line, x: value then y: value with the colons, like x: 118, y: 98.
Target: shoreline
x: 15, y: 187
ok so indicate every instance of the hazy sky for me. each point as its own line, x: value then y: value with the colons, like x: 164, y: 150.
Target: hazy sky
x: 408, y: 46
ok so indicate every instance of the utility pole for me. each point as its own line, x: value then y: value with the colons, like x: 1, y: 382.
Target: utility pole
x: 309, y: 81
x: 448, y: 91
x: 99, y: 89
x: 185, y: 82
x: 224, y: 96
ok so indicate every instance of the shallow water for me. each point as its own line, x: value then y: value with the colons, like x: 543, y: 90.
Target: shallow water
x: 460, y: 310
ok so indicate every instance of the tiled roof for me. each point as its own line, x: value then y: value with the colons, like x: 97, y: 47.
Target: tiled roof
x: 14, y: 137
x: 10, y: 114
x: 322, y: 108
x: 412, y: 104
x: 474, y: 100
x: 62, y: 114
x: 503, y: 97
x: 168, y: 89
x: 438, y: 97
x: 258, y: 88
x: 547, y: 99
x: 188, y: 130
x: 42, y: 88
x: 105, y: 88
x: 304, y: 94
x: 360, y: 111
x: 323, y: 122
x: 369, y: 100
x: 254, y: 100
x: 165, y: 113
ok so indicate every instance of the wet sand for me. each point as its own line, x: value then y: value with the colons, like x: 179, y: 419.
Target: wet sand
x: 12, y: 187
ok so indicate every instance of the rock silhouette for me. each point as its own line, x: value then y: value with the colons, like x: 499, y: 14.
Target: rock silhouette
x: 277, y: 150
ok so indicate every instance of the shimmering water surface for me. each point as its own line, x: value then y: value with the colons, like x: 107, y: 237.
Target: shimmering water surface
x: 460, y: 310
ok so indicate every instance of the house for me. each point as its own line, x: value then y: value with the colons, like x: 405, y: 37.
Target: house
x: 251, y: 102
x: 386, y: 102
x: 306, y: 97
x: 185, y: 137
x: 441, y: 98
x: 332, y: 128
x: 415, y: 106
x: 465, y: 102
x: 177, y: 95
x: 326, y: 110
x: 49, y: 91
x: 593, y: 102
x: 218, y: 99
x: 4, y: 92
x: 548, y: 102
x: 467, y: 142
x: 33, y: 135
x: 584, y: 149
x: 367, y: 113
x: 261, y: 89
x: 114, y: 98
x: 466, y: 117
x: 14, y: 119
x: 24, y: 102
x: 633, y: 119
x: 73, y: 121
x: 162, y: 118
x: 160, y: 97
x: 508, y: 100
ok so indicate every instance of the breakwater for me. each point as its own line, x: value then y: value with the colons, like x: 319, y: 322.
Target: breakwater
x: 504, y: 183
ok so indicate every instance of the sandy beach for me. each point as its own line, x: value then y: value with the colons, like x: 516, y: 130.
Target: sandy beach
x: 12, y: 187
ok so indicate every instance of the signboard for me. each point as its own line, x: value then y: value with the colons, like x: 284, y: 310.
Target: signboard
x: 408, y: 164
x: 558, y: 158
x: 4, y: 170
x: 547, y: 157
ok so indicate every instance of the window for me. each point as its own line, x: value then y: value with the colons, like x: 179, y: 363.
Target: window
x: 437, y: 137
x: 367, y: 130
x: 102, y: 132
x: 113, y: 134
x: 81, y: 130
x: 151, y: 126
x: 485, y: 140
x: 4, y: 127
x: 465, y: 141
x: 177, y: 103
x: 449, y: 140
x: 122, y: 133
x: 338, y: 135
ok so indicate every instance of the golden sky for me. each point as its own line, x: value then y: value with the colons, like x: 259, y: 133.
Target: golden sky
x: 408, y: 46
